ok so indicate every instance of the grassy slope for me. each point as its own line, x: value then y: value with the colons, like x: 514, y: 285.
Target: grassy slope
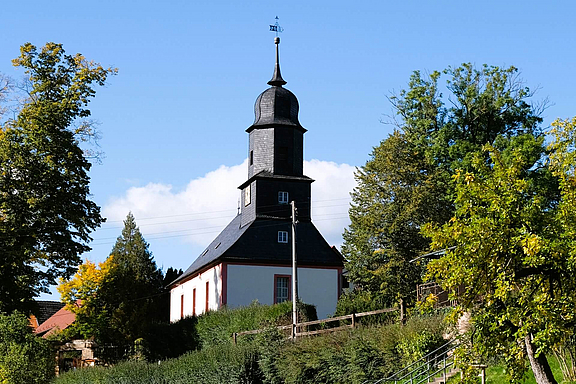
x: 497, y: 374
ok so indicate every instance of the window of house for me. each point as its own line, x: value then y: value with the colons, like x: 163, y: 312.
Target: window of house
x: 281, y: 288
x: 207, y: 295
x: 282, y: 236
x: 194, y: 302
x: 283, y: 197
x: 181, y: 306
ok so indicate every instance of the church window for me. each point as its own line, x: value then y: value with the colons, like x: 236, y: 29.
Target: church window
x: 182, y: 306
x: 194, y: 302
x: 282, y: 236
x: 281, y: 288
x: 207, y: 295
x: 251, y: 157
x: 283, y: 197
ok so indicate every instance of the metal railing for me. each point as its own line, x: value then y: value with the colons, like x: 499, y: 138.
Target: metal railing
x: 437, y: 364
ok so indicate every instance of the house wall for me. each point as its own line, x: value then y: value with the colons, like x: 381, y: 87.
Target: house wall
x: 317, y: 286
x: 214, y: 278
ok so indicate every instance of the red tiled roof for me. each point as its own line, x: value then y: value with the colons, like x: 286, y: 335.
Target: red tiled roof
x: 58, y: 321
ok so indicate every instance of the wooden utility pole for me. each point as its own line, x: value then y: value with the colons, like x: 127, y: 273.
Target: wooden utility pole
x: 294, y: 273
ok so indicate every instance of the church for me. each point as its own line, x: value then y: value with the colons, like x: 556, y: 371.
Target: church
x: 251, y: 258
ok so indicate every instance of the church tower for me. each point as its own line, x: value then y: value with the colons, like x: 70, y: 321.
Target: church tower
x: 275, y: 156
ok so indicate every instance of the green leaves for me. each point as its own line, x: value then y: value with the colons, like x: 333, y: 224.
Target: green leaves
x: 45, y: 209
x: 512, y: 241
x: 407, y: 182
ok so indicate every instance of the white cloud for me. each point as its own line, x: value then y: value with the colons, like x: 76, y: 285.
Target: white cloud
x: 202, y: 209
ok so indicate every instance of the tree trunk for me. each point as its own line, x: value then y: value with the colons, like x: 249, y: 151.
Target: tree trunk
x: 539, y: 365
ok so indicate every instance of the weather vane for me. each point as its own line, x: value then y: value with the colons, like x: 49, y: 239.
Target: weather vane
x: 276, y: 27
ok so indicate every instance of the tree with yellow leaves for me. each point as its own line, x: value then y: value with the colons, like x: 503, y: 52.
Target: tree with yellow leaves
x: 80, y: 294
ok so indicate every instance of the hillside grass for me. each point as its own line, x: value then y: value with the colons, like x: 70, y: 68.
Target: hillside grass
x: 350, y: 356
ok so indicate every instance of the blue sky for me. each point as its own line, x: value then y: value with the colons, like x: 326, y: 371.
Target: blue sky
x: 173, y: 120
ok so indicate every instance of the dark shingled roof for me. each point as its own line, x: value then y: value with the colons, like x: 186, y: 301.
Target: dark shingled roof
x: 276, y: 106
x: 46, y: 309
x: 265, y: 174
x: 257, y: 243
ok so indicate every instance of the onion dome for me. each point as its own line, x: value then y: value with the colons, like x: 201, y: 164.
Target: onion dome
x: 276, y: 105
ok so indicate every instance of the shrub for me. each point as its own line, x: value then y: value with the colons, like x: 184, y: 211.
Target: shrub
x: 362, y: 301
x: 24, y: 357
x: 214, y: 365
x: 361, y: 354
x: 170, y: 340
x: 217, y: 327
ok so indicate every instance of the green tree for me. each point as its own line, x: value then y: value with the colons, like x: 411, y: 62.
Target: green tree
x: 46, y: 215
x: 132, y: 293
x: 80, y: 293
x: 407, y: 180
x: 24, y: 357
x: 512, y: 265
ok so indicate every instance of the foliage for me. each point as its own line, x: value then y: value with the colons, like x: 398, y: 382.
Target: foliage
x: 354, y: 356
x: 24, y: 357
x: 133, y: 293
x: 224, y: 364
x: 216, y: 327
x: 565, y: 354
x: 357, y: 301
x: 122, y: 299
x: 406, y: 182
x: 46, y: 215
x: 169, y: 340
x: 514, y: 251
x: 80, y: 294
x: 362, y: 354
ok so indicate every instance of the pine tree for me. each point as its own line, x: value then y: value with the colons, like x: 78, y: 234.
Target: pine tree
x: 133, y: 292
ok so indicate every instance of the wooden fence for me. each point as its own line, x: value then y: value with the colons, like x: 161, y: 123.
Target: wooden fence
x: 353, y: 317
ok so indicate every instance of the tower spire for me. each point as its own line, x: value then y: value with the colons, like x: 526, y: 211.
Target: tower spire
x: 277, y: 79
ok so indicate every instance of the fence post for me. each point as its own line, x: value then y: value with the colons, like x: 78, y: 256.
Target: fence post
x: 402, y: 314
x: 234, y: 335
x: 353, y: 320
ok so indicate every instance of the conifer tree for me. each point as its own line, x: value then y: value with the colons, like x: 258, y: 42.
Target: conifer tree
x: 133, y: 291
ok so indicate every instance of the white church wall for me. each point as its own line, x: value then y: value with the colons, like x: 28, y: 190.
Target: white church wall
x: 317, y: 286
x: 211, y: 276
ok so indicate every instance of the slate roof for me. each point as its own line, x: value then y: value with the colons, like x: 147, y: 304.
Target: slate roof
x: 265, y: 174
x: 46, y: 309
x: 257, y: 243
x: 276, y: 106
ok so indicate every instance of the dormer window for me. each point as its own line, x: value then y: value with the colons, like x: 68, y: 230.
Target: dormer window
x: 282, y: 197
x: 282, y: 236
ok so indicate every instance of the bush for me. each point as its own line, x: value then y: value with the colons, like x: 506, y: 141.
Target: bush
x: 216, y: 328
x: 353, y: 356
x: 215, y: 365
x: 362, y: 301
x: 170, y: 340
x: 24, y: 357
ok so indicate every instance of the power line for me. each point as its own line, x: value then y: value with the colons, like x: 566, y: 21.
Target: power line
x: 95, y: 243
